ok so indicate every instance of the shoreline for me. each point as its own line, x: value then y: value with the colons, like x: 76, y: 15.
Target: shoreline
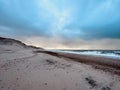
x: 104, y: 63
x: 93, y: 53
x: 36, y: 69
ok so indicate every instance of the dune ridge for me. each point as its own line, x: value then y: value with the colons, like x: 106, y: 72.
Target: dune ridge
x: 39, y: 69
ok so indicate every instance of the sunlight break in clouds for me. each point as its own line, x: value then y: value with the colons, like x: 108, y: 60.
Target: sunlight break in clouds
x: 62, y: 21
x: 61, y: 43
x: 60, y: 16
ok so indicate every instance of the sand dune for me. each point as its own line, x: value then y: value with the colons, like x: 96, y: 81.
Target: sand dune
x: 38, y: 69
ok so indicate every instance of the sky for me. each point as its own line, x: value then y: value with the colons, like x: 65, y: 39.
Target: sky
x: 62, y: 24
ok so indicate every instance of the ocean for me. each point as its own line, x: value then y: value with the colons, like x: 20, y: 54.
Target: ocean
x: 101, y: 53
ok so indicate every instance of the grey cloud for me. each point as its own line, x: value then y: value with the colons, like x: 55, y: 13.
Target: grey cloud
x: 58, y: 43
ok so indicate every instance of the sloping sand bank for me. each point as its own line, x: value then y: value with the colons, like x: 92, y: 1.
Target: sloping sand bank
x: 104, y: 63
x: 28, y: 69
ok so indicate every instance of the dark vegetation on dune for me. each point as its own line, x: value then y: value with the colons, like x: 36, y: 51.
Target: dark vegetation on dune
x: 9, y: 41
x: 106, y: 64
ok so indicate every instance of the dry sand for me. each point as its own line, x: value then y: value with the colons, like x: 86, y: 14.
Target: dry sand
x: 31, y: 69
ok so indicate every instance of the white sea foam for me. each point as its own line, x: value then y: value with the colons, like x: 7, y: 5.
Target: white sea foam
x: 96, y: 53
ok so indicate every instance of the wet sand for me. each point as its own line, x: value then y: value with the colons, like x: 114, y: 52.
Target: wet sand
x: 34, y: 69
x: 104, y: 63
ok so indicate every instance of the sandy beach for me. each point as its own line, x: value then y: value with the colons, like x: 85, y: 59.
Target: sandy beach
x: 38, y: 69
x: 59, y: 44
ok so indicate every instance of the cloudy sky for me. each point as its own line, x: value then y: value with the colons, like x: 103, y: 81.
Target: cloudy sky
x: 65, y: 24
